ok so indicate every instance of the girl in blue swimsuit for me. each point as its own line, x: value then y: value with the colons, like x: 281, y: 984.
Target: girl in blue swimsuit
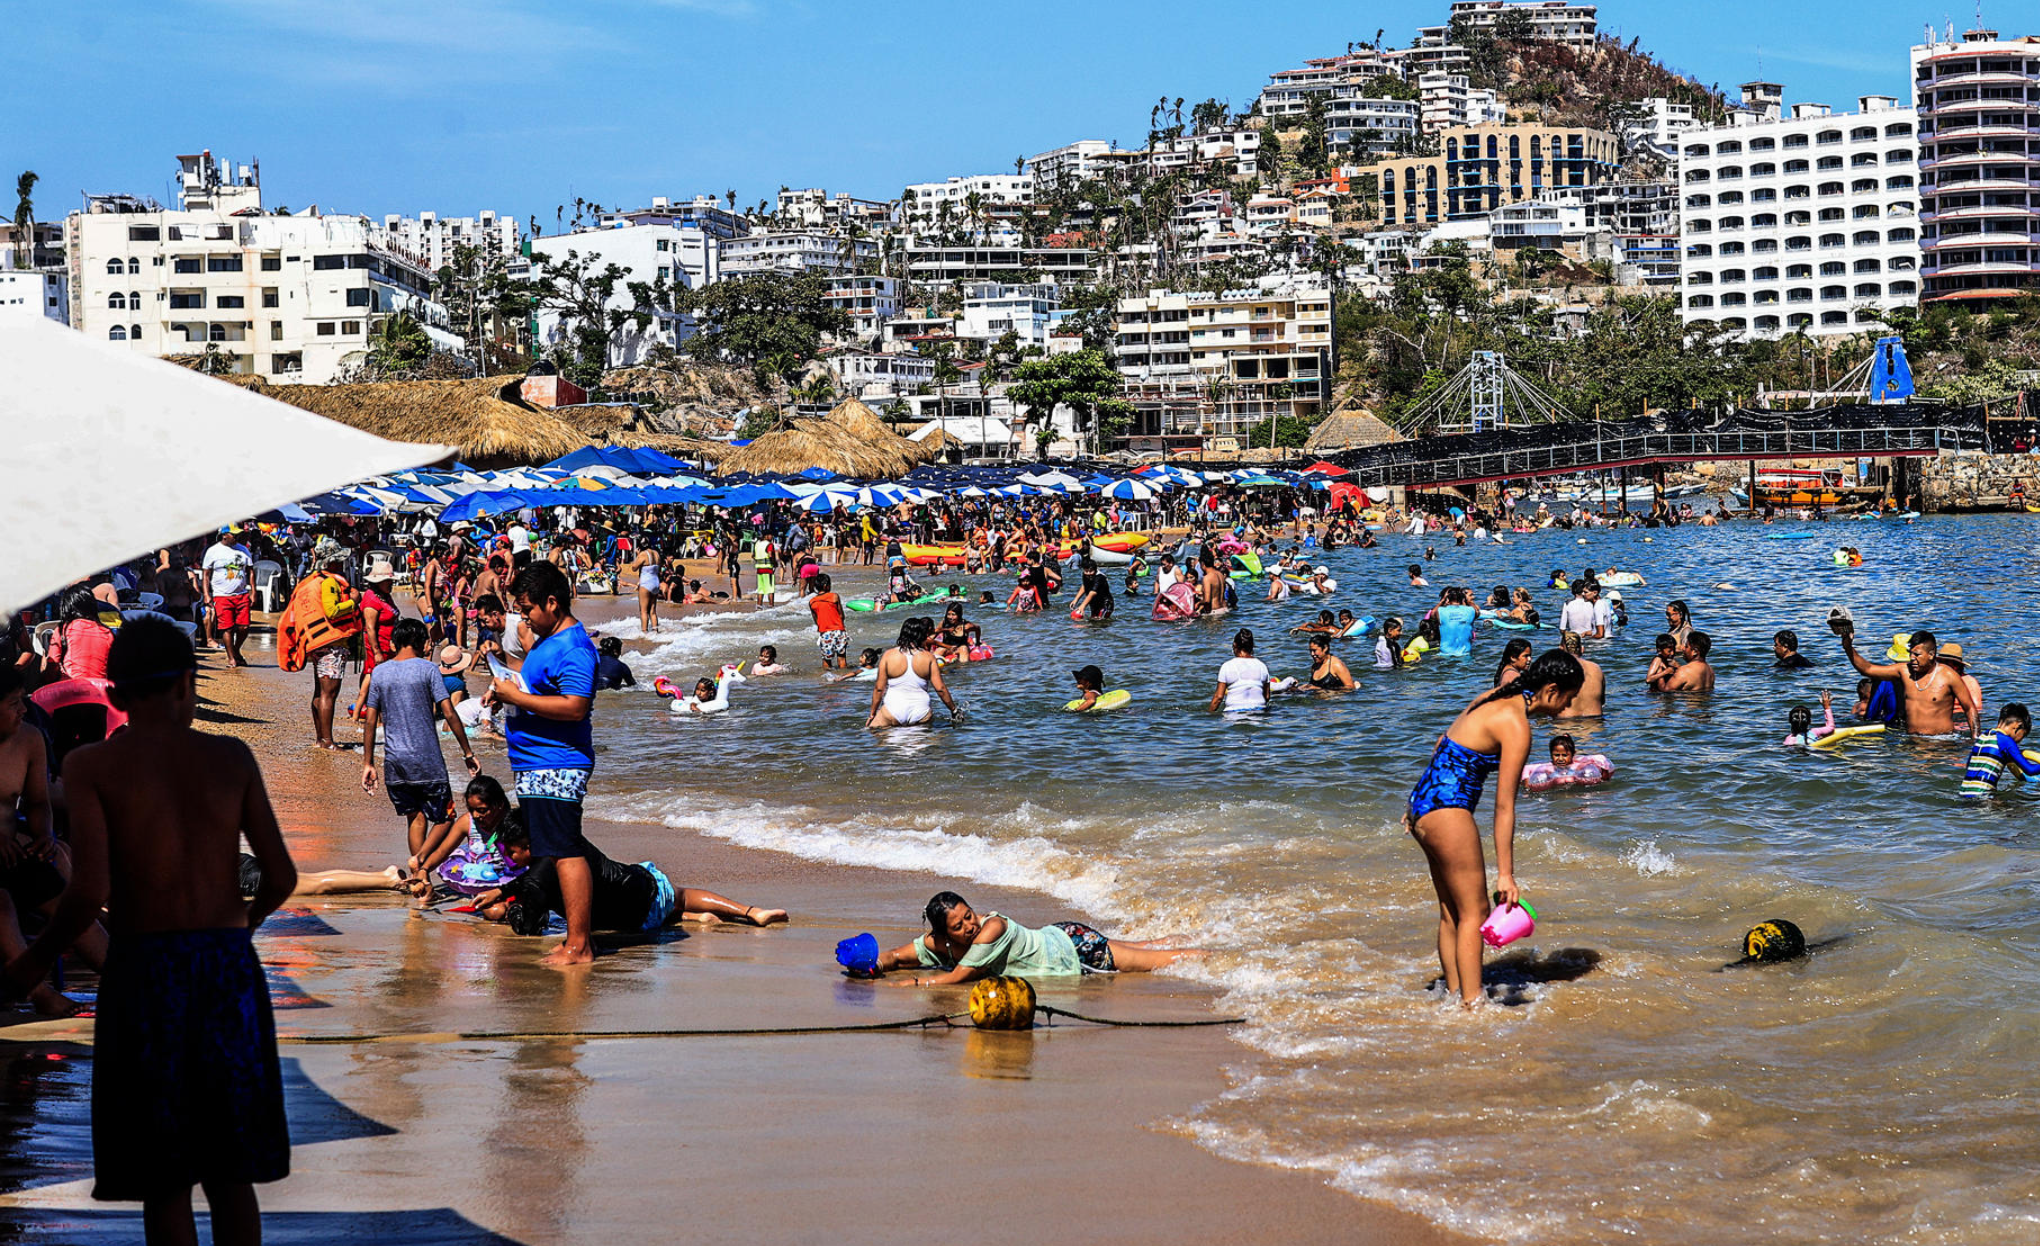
x: 1492, y: 736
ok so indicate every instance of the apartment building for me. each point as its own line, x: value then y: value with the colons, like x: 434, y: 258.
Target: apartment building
x: 1450, y: 102
x: 796, y: 251
x: 1552, y: 21
x: 878, y: 378
x: 1801, y: 220
x: 1656, y: 124
x: 1288, y: 91
x: 30, y: 292
x: 993, y: 309
x: 868, y: 301
x: 1979, y: 165
x: 284, y: 296
x: 997, y: 263
x: 432, y: 239
x: 661, y: 249
x: 1359, y: 126
x: 815, y: 208
x: 704, y: 213
x: 1480, y: 168
x: 1204, y: 366
x: 1072, y: 164
x: 923, y: 201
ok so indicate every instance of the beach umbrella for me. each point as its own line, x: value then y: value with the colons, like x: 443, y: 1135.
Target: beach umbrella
x: 1130, y: 491
x: 111, y: 453
x: 822, y: 503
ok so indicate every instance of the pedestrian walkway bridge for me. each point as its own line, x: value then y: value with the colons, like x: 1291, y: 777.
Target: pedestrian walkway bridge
x: 1892, y: 431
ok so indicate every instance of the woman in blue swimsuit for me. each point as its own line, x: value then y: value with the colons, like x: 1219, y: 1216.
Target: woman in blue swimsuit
x: 1492, y: 736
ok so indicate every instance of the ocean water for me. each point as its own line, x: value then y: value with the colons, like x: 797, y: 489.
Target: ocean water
x: 1628, y: 1088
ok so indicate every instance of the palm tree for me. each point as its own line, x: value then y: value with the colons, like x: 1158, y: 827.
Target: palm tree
x: 730, y: 197
x: 24, y: 219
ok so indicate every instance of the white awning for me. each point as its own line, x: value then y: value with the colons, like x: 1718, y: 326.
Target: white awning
x: 113, y: 452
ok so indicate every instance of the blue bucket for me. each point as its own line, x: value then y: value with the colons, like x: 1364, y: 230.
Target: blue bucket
x: 859, y: 955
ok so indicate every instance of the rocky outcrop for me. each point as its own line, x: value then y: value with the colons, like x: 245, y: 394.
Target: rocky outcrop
x: 1974, y: 481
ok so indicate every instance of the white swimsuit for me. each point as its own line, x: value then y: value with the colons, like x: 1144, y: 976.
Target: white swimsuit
x: 648, y: 577
x: 906, y: 697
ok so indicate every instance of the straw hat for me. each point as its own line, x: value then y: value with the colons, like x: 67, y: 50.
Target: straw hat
x: 454, y: 660
x: 1951, y: 653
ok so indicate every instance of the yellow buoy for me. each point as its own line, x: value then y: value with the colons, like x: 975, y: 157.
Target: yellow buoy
x: 1774, y: 940
x: 1002, y: 1004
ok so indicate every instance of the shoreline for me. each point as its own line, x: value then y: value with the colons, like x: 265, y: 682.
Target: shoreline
x: 779, y: 1138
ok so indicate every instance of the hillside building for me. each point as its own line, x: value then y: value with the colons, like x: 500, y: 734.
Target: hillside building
x: 1480, y: 168
x: 431, y: 238
x: 660, y: 248
x: 796, y: 251
x: 1204, y: 367
x: 1979, y: 165
x: 1801, y: 220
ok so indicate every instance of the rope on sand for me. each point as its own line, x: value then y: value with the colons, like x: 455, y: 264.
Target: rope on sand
x: 943, y: 1019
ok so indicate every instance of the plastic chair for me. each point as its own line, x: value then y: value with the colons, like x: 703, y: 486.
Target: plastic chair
x: 267, y: 578
x: 149, y: 601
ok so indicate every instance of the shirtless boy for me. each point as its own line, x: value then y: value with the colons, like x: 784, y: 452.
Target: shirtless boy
x: 186, y: 1089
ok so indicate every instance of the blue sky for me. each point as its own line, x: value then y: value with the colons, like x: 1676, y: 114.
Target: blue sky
x: 458, y: 105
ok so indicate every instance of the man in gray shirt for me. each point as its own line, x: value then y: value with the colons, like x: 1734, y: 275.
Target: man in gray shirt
x: 405, y: 695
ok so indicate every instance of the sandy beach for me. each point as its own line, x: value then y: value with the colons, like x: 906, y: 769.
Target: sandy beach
x: 875, y: 1137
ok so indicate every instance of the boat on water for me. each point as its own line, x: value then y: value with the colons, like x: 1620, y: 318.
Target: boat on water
x: 1784, y: 487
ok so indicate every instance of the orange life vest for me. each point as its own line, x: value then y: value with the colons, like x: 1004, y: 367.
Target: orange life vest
x: 311, y: 624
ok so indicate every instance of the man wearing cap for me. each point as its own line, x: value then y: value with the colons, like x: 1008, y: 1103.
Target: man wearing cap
x: 227, y: 565
x: 1929, y: 689
x: 317, y: 626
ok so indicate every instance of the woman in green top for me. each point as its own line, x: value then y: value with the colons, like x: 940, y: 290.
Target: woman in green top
x: 963, y: 947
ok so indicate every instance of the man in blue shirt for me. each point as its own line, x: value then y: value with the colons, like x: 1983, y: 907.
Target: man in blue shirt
x: 552, y: 744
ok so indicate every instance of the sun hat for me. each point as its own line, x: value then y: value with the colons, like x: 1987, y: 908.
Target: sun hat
x: 1614, y: 594
x: 453, y: 659
x: 380, y: 570
x: 327, y: 551
x: 1951, y: 653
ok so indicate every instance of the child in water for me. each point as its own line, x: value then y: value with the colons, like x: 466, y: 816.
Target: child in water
x: 768, y: 661
x: 1090, y: 683
x: 1801, y: 721
x: 1989, y: 759
x: 1388, y: 654
x: 1567, y: 768
x: 1666, y: 661
x: 867, y: 668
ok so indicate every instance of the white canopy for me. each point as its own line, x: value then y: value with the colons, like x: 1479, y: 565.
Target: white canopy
x: 113, y: 452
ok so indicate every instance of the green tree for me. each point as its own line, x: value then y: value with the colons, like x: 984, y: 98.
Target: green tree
x: 772, y: 321
x: 579, y: 293
x: 24, y: 219
x: 1287, y: 432
x: 397, y: 345
x: 1082, y: 381
x: 1269, y: 158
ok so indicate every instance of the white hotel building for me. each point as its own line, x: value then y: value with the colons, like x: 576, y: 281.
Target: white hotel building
x: 1808, y: 221
x: 683, y: 256
x: 289, y: 297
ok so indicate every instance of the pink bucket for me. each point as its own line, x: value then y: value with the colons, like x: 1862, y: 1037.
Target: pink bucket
x: 1507, y: 924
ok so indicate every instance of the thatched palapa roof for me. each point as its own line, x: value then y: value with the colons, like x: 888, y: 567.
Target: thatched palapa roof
x: 1344, y: 430
x: 850, y: 441
x: 481, y: 415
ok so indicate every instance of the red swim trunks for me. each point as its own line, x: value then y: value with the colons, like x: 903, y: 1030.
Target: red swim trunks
x: 231, y: 611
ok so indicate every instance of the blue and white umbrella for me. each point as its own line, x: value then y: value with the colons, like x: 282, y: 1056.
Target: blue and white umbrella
x: 1130, y: 491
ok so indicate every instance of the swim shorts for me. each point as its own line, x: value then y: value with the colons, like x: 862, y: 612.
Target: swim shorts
x: 665, y: 898
x: 230, y: 611
x: 550, y: 801
x: 330, y: 662
x: 834, y: 644
x: 434, y: 800
x: 186, y: 1087
x: 1094, y: 951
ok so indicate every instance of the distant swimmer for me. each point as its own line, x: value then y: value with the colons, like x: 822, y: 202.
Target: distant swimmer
x: 1492, y: 736
x: 961, y: 946
x: 1593, y: 691
x: 1929, y: 689
x: 1785, y: 645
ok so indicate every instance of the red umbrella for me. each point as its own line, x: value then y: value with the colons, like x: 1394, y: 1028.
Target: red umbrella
x: 1323, y: 468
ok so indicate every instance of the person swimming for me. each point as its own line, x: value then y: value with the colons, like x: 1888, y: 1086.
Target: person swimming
x: 1327, y: 672
x: 768, y: 662
x: 1090, y: 685
x: 1388, y: 647
x: 1515, y: 660
x: 867, y: 669
x: 1800, y: 720
x: 2004, y: 750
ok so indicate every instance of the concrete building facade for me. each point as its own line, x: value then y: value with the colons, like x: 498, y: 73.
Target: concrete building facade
x: 1807, y: 220
x: 1199, y: 367
x: 1979, y: 166
x: 432, y: 239
x: 1480, y: 168
x: 683, y: 256
x: 796, y: 251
